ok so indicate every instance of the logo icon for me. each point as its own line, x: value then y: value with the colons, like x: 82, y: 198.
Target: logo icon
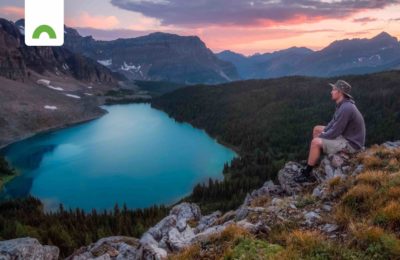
x: 44, y: 22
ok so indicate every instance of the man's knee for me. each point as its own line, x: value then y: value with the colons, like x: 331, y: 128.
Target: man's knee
x: 316, y: 142
x: 317, y: 130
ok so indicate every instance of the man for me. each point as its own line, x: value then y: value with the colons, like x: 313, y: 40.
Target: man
x: 345, y: 132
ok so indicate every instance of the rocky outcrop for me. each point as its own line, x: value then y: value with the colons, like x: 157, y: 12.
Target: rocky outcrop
x: 332, y: 166
x: 286, y: 178
x: 182, y: 227
x: 27, y: 248
x: 335, y: 166
x: 269, y: 189
x: 172, y: 233
x: 16, y: 58
x: 12, y: 64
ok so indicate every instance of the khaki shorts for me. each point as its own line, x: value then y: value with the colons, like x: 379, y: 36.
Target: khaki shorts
x: 336, y: 145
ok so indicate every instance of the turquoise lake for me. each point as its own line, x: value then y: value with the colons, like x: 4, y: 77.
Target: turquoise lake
x: 134, y: 154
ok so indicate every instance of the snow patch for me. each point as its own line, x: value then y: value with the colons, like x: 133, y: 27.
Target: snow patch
x: 43, y: 82
x: 387, y: 47
x: 50, y: 107
x: 376, y: 56
x: 73, y: 96
x: 65, y: 66
x: 21, y: 29
x: 127, y: 67
x: 55, y: 88
x: 105, y: 62
x: 222, y: 74
x: 88, y: 94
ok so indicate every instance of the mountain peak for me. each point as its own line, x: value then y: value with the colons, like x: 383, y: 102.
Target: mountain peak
x: 230, y: 53
x: 161, y: 34
x: 164, y: 35
x: 383, y: 36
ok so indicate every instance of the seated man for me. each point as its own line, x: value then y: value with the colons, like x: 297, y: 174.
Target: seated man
x: 345, y: 132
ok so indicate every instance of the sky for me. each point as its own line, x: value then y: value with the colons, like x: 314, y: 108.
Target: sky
x: 243, y: 26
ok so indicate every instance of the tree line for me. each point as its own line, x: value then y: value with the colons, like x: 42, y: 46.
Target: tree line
x: 71, y: 229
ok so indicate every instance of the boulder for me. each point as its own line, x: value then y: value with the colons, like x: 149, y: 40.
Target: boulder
x: 311, y: 218
x: 392, y: 145
x: 211, y: 231
x: 333, y: 166
x: 171, y: 234
x: 286, y: 178
x: 207, y: 221
x: 186, y: 211
x: 115, y: 247
x: 27, y: 248
x: 180, y: 239
x: 269, y: 189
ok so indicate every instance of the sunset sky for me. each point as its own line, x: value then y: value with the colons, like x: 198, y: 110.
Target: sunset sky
x: 242, y: 26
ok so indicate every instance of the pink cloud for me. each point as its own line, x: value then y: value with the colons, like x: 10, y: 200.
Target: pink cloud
x: 295, y: 19
x: 12, y: 12
x: 202, y: 13
x: 217, y: 38
x: 97, y: 22
x: 364, y: 20
x: 239, y: 39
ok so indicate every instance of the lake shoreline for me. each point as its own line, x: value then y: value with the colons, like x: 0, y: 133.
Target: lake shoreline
x: 53, y: 128
x: 236, y: 149
x: 70, y: 123
x: 5, y: 179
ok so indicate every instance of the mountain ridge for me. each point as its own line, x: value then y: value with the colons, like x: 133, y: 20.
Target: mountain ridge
x: 158, y: 56
x: 341, y: 57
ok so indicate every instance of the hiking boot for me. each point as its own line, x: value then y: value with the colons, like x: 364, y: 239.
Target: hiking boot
x: 304, y: 177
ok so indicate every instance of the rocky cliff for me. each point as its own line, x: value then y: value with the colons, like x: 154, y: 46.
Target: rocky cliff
x: 351, y: 212
x: 17, y: 59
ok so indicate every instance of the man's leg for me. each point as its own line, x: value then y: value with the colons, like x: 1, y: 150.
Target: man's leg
x: 315, y: 151
x: 313, y: 156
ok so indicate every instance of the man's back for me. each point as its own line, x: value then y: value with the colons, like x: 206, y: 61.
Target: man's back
x: 348, y: 122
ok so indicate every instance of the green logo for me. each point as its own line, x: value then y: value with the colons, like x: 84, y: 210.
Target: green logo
x: 44, y: 29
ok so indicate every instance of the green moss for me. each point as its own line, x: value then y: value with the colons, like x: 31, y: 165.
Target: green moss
x: 248, y: 248
x: 6, y: 172
x: 5, y: 179
x: 391, y: 245
x: 305, y: 201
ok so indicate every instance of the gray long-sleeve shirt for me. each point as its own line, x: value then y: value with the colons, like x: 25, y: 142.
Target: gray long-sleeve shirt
x: 348, y: 122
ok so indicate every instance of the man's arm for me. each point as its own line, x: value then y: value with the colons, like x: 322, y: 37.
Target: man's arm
x: 338, y: 124
x: 329, y: 125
